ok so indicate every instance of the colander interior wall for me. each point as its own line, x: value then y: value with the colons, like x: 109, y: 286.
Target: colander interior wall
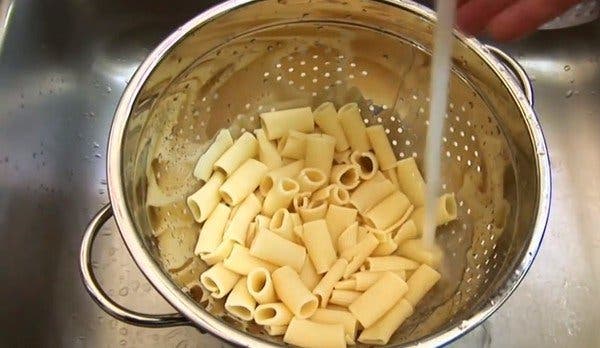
x: 277, y: 54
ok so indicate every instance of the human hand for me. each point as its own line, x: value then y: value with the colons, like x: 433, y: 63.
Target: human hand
x: 506, y: 20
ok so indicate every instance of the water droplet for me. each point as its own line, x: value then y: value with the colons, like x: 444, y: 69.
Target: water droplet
x: 569, y: 93
x: 123, y: 342
x: 96, y: 145
x: 123, y: 331
x: 124, y: 291
x: 567, y: 67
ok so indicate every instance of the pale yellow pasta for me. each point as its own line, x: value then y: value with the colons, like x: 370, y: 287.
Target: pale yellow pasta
x: 346, y: 176
x: 371, y: 192
x: 381, y: 146
x: 420, y: 282
x: 293, y: 293
x: 211, y: 234
x: 348, y: 238
x: 262, y: 222
x: 344, y: 297
x: 330, y: 316
x: 204, y: 166
x: 238, y: 225
x: 310, y: 334
x: 283, y: 225
x: 298, y: 231
x: 260, y: 285
x: 296, y: 219
x: 219, y: 280
x: 364, y: 280
x: 390, y: 210
x: 277, y: 250
x: 251, y: 233
x: 243, y: 182
x: 363, y: 232
x: 392, y: 176
x: 338, y: 219
x: 411, y: 182
x: 386, y: 246
x: 239, y: 303
x: 280, y: 196
x: 357, y: 254
x: 275, y: 330
x: 332, y: 194
x: 272, y: 314
x: 267, y: 151
x: 287, y: 171
x: 314, y: 211
x: 354, y: 128
x: 447, y: 210
x: 309, y: 275
x: 278, y: 123
x: 378, y: 299
x: 342, y: 157
x: 348, y: 284
x: 244, y: 148
x: 241, y: 262
x: 311, y: 179
x: 317, y: 240
x: 415, y: 250
x: 219, y: 254
x: 366, y: 163
x: 407, y: 231
x: 327, y: 120
x: 292, y: 145
x: 206, y: 199
x: 390, y: 263
x: 382, y: 330
x: 319, y: 152
x: 326, y: 284
x: 301, y: 200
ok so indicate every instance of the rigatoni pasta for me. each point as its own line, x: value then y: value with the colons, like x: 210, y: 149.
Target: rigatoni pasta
x: 277, y: 250
x: 354, y: 128
x: 310, y: 334
x: 411, y: 181
x: 211, y: 234
x: 272, y: 314
x: 243, y: 182
x: 293, y: 293
x: 267, y: 151
x: 287, y: 171
x: 278, y: 123
x: 319, y: 245
x: 319, y: 152
x: 326, y: 284
x: 381, y: 146
x: 244, y: 148
x: 292, y: 145
x: 327, y: 120
x: 219, y: 280
x: 345, y: 176
x: 241, y: 262
x: 280, y: 196
x: 260, y: 286
x: 366, y: 162
x: 239, y: 302
x: 204, y: 166
x: 238, y: 225
x: 203, y: 201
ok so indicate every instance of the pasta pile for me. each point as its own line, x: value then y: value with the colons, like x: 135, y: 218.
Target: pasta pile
x: 311, y: 227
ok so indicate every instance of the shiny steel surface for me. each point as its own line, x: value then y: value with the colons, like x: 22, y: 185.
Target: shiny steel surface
x: 52, y: 183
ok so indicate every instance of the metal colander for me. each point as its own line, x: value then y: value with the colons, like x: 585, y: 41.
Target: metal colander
x: 226, y: 66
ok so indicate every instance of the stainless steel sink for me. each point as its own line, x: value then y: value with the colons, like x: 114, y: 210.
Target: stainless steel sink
x: 63, y: 66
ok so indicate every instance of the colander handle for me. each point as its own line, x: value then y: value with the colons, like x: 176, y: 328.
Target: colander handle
x: 101, y: 298
x: 516, y: 69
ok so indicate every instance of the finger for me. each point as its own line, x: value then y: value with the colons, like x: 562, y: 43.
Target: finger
x: 474, y: 15
x: 525, y: 16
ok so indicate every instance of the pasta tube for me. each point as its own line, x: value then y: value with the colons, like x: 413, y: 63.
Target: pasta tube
x: 238, y: 225
x: 219, y: 280
x: 330, y: 316
x: 211, y: 234
x: 241, y: 262
x: 309, y: 275
x: 278, y: 123
x: 378, y: 299
x: 287, y: 171
x: 354, y: 128
x: 390, y: 263
x: 260, y: 285
x: 317, y: 240
x: 346, y: 176
x: 280, y: 196
x: 239, y: 302
x: 388, y: 211
x: 325, y: 286
x: 272, y: 314
x: 381, y: 332
x: 314, y: 211
x: 309, y: 334
x: 277, y: 250
x: 319, y: 152
x: 206, y: 199
x: 371, y: 192
x: 348, y: 238
x: 342, y: 157
x: 411, y: 182
x: 283, y: 225
x: 292, y: 145
x: 344, y: 297
x: 415, y: 250
x: 275, y: 330
x: 204, y: 166
x: 293, y: 293
x: 421, y: 281
x: 311, y: 179
x: 366, y: 163
x: 338, y: 219
x: 381, y: 146
x: 243, y: 182
x: 332, y: 194
x: 267, y: 151
x: 326, y: 119
x: 244, y: 148
x: 219, y: 254
x: 359, y: 253
x: 407, y: 231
